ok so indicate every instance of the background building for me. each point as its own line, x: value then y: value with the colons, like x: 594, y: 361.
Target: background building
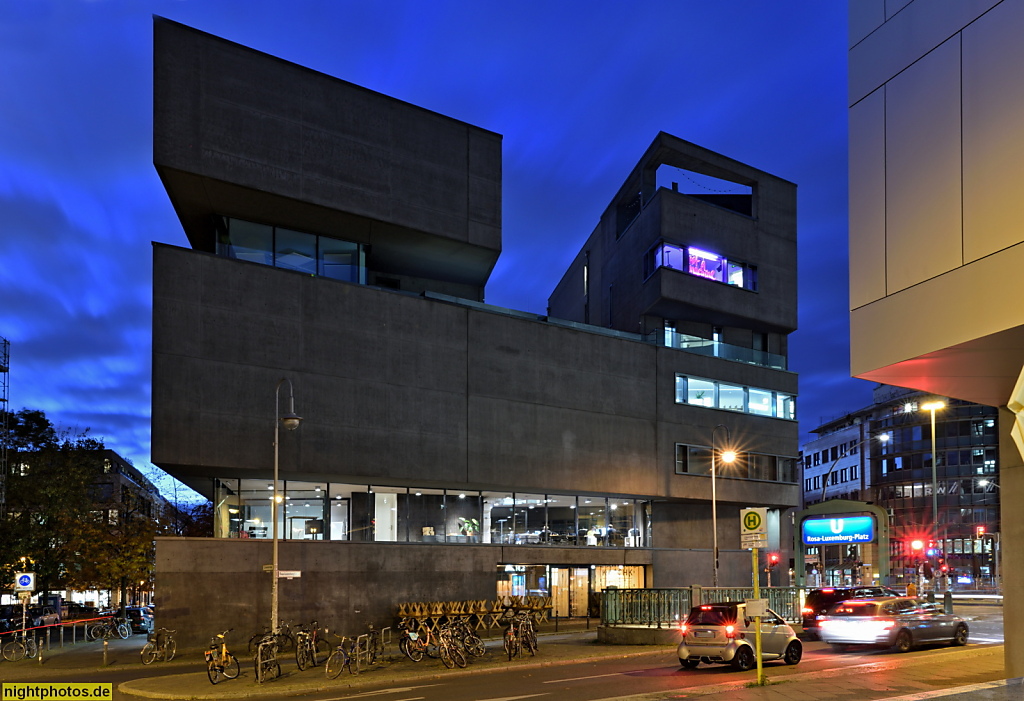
x: 935, y: 153
x: 882, y: 454
x: 341, y: 240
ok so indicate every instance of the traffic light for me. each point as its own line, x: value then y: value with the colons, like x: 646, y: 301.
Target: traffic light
x: 981, y: 531
x: 943, y: 566
x: 773, y: 560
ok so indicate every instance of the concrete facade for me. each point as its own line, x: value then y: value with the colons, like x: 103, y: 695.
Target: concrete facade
x: 935, y: 241
x: 407, y: 384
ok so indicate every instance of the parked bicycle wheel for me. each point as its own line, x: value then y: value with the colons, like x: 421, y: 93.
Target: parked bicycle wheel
x: 94, y: 631
x: 213, y: 671
x: 303, y: 655
x: 230, y: 669
x: 14, y: 651
x: 170, y: 647
x: 446, y: 656
x: 512, y: 647
x: 337, y: 663
x: 530, y: 641
x: 320, y: 651
x: 149, y: 653
x: 123, y: 631
x: 415, y: 649
x: 458, y: 655
x: 474, y: 645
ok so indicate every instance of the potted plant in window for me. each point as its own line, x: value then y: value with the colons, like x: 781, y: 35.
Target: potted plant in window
x: 470, y: 528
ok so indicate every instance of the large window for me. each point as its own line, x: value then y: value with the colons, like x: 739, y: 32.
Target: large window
x: 700, y: 263
x: 698, y: 391
x: 292, y: 250
x: 333, y: 511
x: 696, y: 460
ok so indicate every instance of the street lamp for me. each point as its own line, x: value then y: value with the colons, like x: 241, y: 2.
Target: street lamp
x: 728, y: 456
x: 883, y: 437
x: 933, y: 407
x: 291, y: 422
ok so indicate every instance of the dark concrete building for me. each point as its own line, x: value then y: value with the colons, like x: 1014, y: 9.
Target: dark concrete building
x: 449, y: 450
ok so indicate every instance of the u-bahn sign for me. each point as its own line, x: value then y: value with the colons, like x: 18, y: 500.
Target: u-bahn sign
x: 835, y: 531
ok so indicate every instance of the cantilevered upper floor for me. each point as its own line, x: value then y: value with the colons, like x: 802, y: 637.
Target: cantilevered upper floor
x: 715, y: 265
x: 267, y: 160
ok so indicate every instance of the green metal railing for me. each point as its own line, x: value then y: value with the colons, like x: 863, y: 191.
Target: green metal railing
x: 666, y: 607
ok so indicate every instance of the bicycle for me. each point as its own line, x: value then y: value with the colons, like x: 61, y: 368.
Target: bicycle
x: 17, y: 649
x: 370, y: 645
x: 310, y: 648
x: 159, y: 646
x: 284, y: 635
x: 267, y: 666
x: 465, y: 636
x: 408, y: 643
x: 418, y: 640
x: 519, y: 634
x: 450, y: 650
x: 108, y: 628
x: 344, y: 656
x: 219, y: 662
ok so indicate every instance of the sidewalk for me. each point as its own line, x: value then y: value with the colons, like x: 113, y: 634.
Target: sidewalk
x: 942, y: 673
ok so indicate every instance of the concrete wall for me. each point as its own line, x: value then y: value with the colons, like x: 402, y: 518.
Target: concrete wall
x: 241, y: 133
x: 620, y: 295
x: 206, y: 585
x: 404, y: 390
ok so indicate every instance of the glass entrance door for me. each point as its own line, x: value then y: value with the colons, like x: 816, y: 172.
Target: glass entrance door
x: 570, y: 590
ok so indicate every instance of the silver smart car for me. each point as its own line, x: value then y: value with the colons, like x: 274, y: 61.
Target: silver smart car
x: 722, y: 633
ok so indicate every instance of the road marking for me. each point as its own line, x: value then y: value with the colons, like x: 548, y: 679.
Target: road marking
x: 380, y: 692
x: 576, y: 679
x: 513, y: 698
x: 954, y: 691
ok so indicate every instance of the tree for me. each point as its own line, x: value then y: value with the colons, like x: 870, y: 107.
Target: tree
x: 48, y: 498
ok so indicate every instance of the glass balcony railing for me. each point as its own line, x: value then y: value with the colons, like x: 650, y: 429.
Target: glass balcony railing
x: 726, y: 351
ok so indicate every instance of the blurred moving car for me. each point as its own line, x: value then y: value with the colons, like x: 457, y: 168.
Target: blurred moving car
x: 77, y: 612
x: 819, y: 601
x: 140, y: 619
x: 43, y: 616
x: 723, y: 633
x: 899, y: 622
x: 10, y: 618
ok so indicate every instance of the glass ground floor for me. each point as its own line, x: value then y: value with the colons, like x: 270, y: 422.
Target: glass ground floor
x: 364, y: 512
x: 574, y: 590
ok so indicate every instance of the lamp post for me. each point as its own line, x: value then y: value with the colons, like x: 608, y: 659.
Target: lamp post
x: 291, y: 422
x: 883, y: 437
x: 728, y: 456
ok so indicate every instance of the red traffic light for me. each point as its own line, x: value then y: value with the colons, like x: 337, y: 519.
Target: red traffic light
x: 773, y: 559
x: 981, y: 530
x: 917, y: 545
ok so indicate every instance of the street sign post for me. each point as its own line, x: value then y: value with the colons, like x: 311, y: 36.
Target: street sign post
x: 754, y: 528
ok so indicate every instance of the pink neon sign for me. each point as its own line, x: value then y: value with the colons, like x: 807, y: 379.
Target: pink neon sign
x: 706, y: 265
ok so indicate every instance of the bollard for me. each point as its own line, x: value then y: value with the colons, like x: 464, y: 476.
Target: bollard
x: 62, y: 635
x: 39, y: 651
x: 947, y: 602
x: 931, y: 596
x: 104, y: 652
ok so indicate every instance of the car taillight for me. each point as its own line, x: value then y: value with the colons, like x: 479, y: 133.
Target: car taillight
x: 806, y: 611
x: 886, y: 625
x: 682, y: 628
x: 730, y: 631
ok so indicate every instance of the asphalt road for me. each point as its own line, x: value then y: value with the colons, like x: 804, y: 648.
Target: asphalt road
x: 655, y: 673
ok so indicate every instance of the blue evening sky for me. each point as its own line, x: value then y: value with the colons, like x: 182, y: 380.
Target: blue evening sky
x: 578, y: 89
